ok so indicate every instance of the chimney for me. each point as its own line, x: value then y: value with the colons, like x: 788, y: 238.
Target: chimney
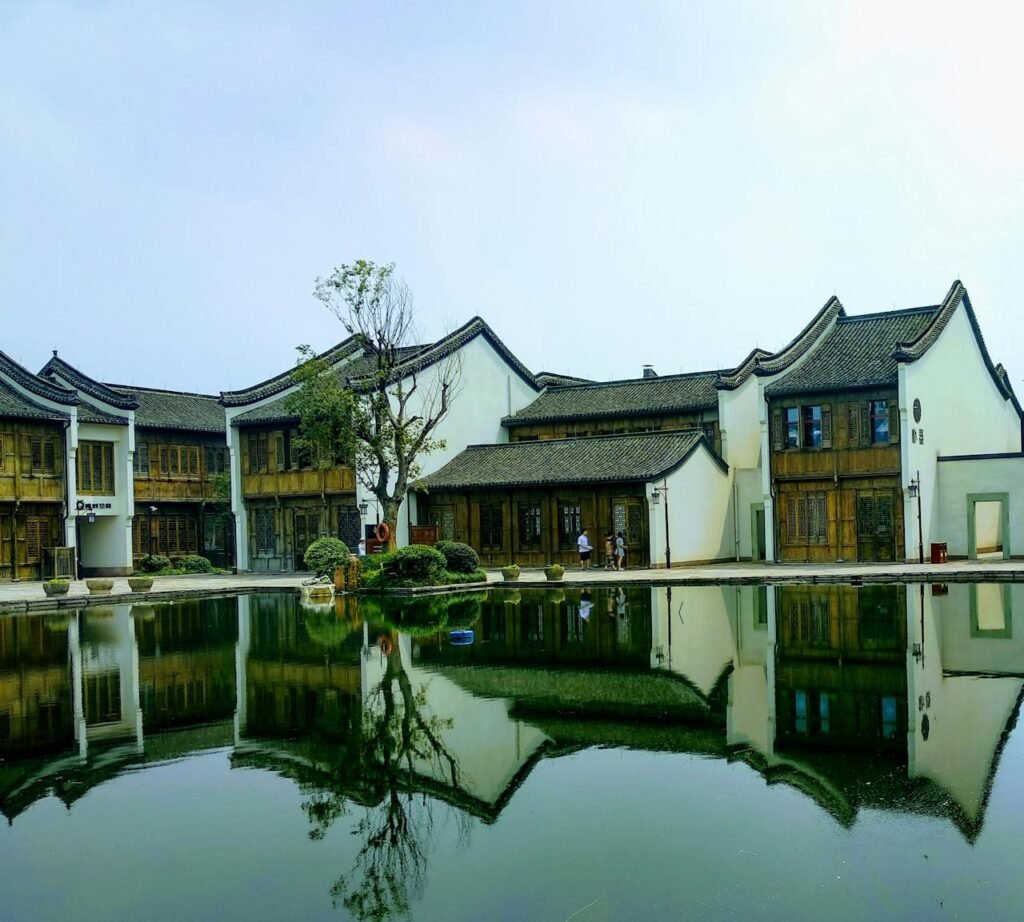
x: 649, y: 371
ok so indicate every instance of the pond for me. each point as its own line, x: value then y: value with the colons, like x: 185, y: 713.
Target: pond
x: 707, y: 752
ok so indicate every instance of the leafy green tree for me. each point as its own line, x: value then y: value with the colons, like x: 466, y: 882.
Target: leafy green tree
x: 383, y: 418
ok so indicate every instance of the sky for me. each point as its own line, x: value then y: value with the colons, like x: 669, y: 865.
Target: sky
x: 607, y: 184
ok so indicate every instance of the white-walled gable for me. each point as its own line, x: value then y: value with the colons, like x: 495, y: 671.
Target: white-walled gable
x: 963, y: 411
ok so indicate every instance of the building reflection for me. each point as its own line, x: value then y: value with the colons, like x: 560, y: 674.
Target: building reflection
x: 891, y: 697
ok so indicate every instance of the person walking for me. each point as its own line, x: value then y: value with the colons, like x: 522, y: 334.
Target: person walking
x: 620, y: 551
x: 583, y: 543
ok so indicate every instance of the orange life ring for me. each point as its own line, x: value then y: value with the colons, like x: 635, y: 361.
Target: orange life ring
x: 383, y: 532
x: 384, y: 642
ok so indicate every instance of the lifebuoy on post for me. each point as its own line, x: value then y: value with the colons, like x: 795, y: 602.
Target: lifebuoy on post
x: 383, y: 532
x: 384, y: 642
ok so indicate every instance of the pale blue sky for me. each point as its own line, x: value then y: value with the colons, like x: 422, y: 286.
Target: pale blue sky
x: 606, y: 184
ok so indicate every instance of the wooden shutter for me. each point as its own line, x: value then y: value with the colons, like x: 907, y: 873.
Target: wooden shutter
x: 853, y: 425
x: 894, y: 421
x: 253, y: 454
x: 85, y: 466
x: 193, y: 461
x: 865, y: 423
x: 777, y: 437
x: 791, y: 520
x: 826, y: 426
x: 33, y: 540
x: 37, y: 454
x: 108, y: 468
x: 279, y: 449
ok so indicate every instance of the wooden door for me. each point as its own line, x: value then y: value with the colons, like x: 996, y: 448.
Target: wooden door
x: 443, y: 518
x: 348, y: 526
x: 307, y: 530
x: 876, y: 525
x: 628, y: 518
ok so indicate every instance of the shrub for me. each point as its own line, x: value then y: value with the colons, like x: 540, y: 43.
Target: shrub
x: 477, y: 576
x: 459, y: 557
x: 152, y: 563
x: 418, y: 563
x: 194, y: 563
x: 324, y: 554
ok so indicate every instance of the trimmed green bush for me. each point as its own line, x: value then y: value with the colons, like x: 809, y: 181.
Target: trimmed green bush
x: 324, y: 554
x: 459, y: 557
x: 418, y: 563
x: 194, y: 563
x: 151, y: 563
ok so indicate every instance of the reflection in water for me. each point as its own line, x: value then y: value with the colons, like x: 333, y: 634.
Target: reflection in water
x: 898, y: 698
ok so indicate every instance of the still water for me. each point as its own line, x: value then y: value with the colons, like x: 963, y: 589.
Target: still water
x: 700, y: 753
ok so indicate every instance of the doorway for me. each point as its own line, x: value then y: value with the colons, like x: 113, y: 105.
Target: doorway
x: 988, y: 526
x: 628, y: 518
x: 757, y: 545
x: 307, y: 530
x: 876, y: 525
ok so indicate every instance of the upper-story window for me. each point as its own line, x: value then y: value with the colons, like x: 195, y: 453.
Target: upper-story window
x: 808, y: 426
x: 258, y: 453
x: 96, y: 468
x: 878, y: 414
x: 44, y: 454
x: 180, y: 462
x: 140, y: 463
x: 812, y: 427
x: 792, y: 415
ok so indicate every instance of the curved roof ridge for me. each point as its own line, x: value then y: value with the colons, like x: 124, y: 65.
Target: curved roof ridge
x: 282, y: 381
x: 36, y: 384
x: 617, y: 382
x: 733, y: 378
x: 901, y: 312
x: 56, y: 366
x: 908, y: 352
x: 796, y: 348
x: 435, y: 352
x: 160, y: 390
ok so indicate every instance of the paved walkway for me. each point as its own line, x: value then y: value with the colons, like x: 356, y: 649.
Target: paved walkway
x: 19, y: 596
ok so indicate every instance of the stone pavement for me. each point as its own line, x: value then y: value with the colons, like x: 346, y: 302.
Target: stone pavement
x: 23, y: 595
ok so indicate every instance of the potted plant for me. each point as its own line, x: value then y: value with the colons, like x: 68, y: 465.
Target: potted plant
x: 554, y: 571
x: 510, y: 573
x: 56, y: 587
x: 99, y: 586
x: 140, y: 583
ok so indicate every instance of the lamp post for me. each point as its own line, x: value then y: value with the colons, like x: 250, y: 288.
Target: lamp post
x: 656, y: 499
x: 914, y: 492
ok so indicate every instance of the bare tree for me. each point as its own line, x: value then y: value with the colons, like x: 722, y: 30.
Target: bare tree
x: 383, y: 416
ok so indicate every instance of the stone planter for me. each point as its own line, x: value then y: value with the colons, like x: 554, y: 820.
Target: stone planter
x: 99, y: 586
x: 510, y: 574
x: 140, y: 583
x: 56, y: 587
x: 554, y: 573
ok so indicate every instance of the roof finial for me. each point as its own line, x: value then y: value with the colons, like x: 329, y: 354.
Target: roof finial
x: 55, y: 353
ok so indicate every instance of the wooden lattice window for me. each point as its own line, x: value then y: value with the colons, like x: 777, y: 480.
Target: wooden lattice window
x: 216, y: 460
x: 492, y: 532
x: 570, y: 523
x: 177, y: 534
x: 529, y: 526
x: 96, y: 468
x: 263, y: 526
x: 43, y: 453
x: 258, y: 462
x: 140, y: 463
x: 37, y: 532
x: 807, y: 519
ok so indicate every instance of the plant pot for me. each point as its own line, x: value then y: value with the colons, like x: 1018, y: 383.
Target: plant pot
x: 140, y: 583
x: 510, y: 574
x: 56, y: 588
x: 99, y: 586
x: 554, y: 573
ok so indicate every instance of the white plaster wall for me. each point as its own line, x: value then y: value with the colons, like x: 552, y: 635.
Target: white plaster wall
x: 962, y: 412
x: 700, y: 520
x: 107, y: 544
x: 739, y: 416
x: 489, y: 389
x: 700, y: 645
x: 956, y: 479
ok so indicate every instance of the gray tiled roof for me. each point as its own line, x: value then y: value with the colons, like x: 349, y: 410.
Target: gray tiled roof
x: 614, y: 399
x: 600, y: 459
x: 857, y: 352
x: 555, y: 379
x: 56, y: 369
x: 34, y: 384
x: 89, y: 412
x: 160, y: 409
x: 15, y: 404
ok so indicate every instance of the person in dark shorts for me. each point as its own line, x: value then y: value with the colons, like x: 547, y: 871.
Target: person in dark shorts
x: 583, y: 543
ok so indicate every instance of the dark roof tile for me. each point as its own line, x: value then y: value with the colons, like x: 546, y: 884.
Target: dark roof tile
x: 161, y: 409
x: 601, y: 459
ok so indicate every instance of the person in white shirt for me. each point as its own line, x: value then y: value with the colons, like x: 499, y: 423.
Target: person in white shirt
x: 583, y: 543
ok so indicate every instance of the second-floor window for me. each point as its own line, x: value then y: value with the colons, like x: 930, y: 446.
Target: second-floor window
x: 878, y: 414
x: 258, y: 462
x: 179, y: 461
x: 140, y: 463
x: 216, y: 460
x: 812, y: 427
x: 96, y: 468
x: 44, y: 454
x: 792, y: 435
x: 807, y: 426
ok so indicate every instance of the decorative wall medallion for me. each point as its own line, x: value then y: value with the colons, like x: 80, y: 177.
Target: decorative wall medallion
x: 917, y: 410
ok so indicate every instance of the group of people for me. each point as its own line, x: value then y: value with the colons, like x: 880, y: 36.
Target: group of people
x: 614, y: 550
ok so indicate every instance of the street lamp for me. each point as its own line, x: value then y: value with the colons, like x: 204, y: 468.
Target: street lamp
x: 914, y: 492
x: 656, y: 499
